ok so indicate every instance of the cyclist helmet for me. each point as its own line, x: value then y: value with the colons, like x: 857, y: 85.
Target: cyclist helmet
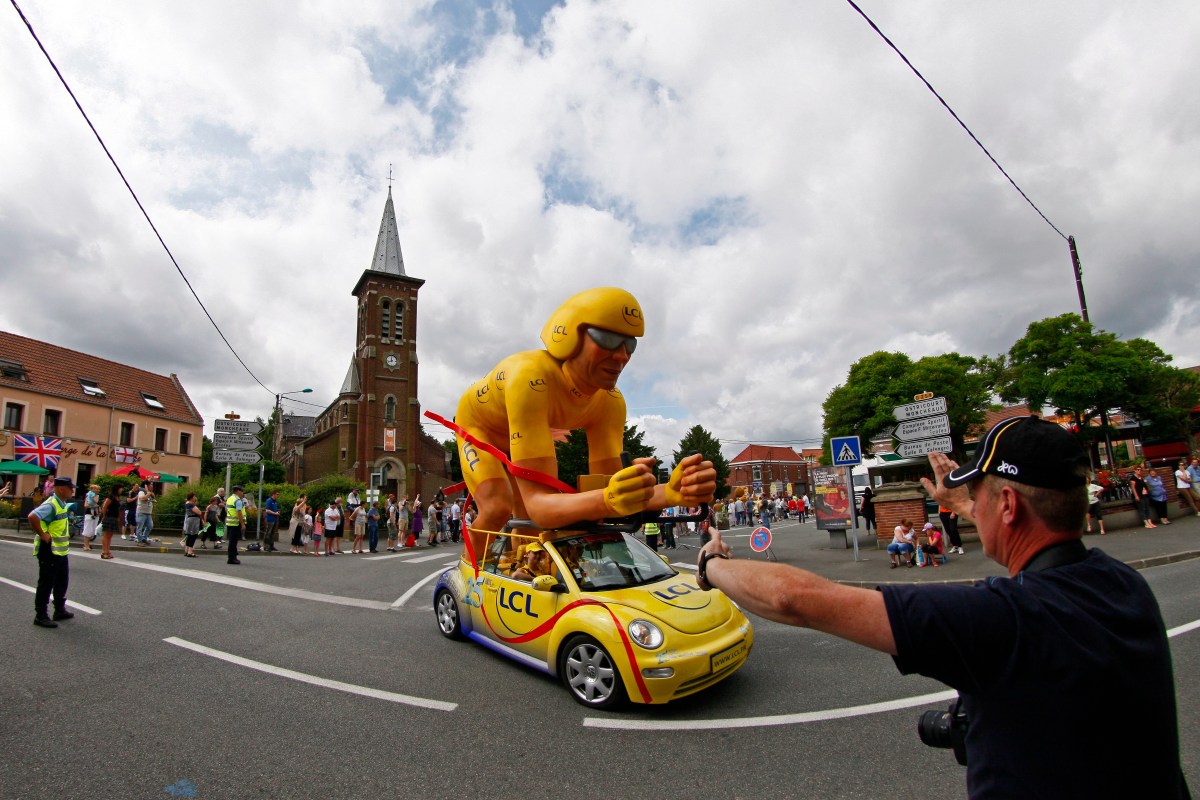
x: 606, y: 307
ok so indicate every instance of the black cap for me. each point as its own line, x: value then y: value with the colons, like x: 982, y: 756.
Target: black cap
x: 1026, y: 450
x: 64, y: 482
x: 238, y: 489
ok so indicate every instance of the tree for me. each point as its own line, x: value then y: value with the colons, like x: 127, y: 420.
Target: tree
x: 877, y: 383
x: 1163, y: 400
x: 699, y: 440
x: 572, y: 454
x: 451, y: 447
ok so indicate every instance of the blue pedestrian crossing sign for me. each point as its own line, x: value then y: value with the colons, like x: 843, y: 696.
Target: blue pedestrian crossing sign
x: 847, y: 451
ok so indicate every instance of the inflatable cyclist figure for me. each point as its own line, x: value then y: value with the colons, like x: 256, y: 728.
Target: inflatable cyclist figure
x: 572, y: 384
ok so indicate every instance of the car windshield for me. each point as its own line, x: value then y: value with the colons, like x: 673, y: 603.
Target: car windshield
x: 610, y: 560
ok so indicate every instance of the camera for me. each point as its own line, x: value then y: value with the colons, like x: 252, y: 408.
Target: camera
x: 947, y: 729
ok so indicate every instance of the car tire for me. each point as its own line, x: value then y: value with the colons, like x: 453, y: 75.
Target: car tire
x: 446, y: 609
x: 588, y: 672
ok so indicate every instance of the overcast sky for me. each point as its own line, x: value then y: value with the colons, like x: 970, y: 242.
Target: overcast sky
x: 780, y: 192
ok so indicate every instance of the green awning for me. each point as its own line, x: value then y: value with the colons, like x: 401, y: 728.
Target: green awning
x: 21, y: 468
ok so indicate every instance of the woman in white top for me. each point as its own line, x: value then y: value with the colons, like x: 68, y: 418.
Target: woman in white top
x: 902, y: 543
x: 1183, y: 482
x: 333, y: 516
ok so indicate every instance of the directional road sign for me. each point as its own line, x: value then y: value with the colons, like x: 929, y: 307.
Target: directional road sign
x: 235, y: 441
x: 236, y: 426
x: 922, y: 408
x: 923, y: 428
x: 846, y: 450
x: 923, y: 447
x: 236, y: 456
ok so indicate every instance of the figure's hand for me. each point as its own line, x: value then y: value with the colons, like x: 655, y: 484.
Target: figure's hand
x: 958, y: 499
x: 629, y: 490
x: 692, y: 482
x: 714, y: 545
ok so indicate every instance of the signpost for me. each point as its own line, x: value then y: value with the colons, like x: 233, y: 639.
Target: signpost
x: 924, y: 427
x: 235, y: 441
x: 237, y: 426
x: 236, y: 456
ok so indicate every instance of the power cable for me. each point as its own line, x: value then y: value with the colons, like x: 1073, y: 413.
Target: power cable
x: 124, y: 180
x: 941, y: 100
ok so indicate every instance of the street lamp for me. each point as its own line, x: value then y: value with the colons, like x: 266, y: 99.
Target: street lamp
x: 275, y: 445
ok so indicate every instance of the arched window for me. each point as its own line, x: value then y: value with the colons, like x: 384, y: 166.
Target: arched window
x: 386, y: 319
x: 345, y: 411
x: 399, y: 327
x: 389, y: 409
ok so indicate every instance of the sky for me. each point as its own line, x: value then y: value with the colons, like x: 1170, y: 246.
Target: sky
x: 769, y: 179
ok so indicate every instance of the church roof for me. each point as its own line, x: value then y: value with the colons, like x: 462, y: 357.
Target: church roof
x: 388, y: 257
x: 351, y: 385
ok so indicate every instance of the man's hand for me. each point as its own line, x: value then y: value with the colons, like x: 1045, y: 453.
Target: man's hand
x: 692, y: 482
x: 713, y: 545
x: 957, y: 499
x: 629, y: 490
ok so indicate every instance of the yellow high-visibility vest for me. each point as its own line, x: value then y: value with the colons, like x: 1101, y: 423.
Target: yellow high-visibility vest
x: 60, y: 536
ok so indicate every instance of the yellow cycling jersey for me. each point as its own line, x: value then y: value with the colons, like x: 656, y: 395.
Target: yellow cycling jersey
x: 527, y: 395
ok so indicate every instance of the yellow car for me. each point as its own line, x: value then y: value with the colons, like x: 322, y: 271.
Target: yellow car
x: 597, y: 608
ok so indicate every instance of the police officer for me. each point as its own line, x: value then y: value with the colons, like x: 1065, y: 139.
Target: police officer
x: 235, y: 522
x: 53, y: 538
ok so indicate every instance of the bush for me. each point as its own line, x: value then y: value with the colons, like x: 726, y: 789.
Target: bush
x: 9, y: 510
x: 170, y: 506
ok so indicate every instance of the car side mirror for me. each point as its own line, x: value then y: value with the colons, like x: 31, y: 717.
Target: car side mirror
x: 547, y: 583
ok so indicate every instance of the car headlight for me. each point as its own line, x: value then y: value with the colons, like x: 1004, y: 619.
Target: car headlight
x: 645, y: 634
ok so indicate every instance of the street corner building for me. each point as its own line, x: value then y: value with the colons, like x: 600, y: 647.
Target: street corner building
x: 79, y: 416
x: 372, y: 431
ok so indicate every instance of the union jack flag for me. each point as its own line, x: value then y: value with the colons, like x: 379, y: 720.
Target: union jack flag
x: 40, y: 450
x: 125, y: 455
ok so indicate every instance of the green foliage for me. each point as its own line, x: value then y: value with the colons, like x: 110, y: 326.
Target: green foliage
x: 9, y: 509
x: 207, y: 465
x: 108, y: 482
x: 877, y: 383
x: 451, y: 447
x: 572, y: 455
x: 699, y: 439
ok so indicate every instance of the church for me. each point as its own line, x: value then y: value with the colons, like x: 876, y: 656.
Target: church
x: 372, y: 431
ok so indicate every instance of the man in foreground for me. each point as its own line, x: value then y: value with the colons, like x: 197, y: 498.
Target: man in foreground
x: 51, y: 543
x: 1063, y: 668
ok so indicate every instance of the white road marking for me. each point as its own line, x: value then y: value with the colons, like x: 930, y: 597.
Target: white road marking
x: 71, y: 603
x: 270, y: 669
x: 405, y: 554
x: 617, y: 723
x: 431, y: 557
x: 404, y: 598
x: 242, y: 583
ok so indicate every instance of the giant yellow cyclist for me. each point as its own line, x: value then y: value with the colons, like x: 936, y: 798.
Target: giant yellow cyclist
x: 572, y: 384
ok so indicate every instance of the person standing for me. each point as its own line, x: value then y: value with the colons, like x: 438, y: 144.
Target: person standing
x: 668, y: 528
x: 213, y: 516
x: 91, y: 516
x: 1141, y: 495
x: 353, y: 501
x: 868, y: 509
x: 455, y: 522
x: 130, y: 507
x: 193, y: 516
x: 333, y: 520
x: 271, y: 518
x: 110, y: 519
x: 1185, y: 487
x: 145, y: 514
x: 298, y: 527
x: 403, y: 515
x: 358, y: 523
x: 389, y: 516
x: 950, y: 526
x: 235, y: 522
x: 373, y: 527
x: 418, y: 521
x: 650, y: 530
x: 1158, y: 496
x: 1094, y: 490
x: 52, y: 541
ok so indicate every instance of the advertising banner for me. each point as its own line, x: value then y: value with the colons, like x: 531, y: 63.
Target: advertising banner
x: 831, y: 498
x: 389, y: 439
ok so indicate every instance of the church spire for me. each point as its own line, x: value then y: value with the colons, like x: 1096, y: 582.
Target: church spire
x: 388, y: 257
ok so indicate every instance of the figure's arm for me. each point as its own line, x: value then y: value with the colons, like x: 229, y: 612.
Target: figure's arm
x: 795, y: 597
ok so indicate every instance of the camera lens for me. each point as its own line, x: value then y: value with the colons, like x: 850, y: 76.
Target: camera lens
x: 934, y: 729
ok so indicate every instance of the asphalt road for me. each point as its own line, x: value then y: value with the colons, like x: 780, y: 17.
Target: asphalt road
x: 341, y: 686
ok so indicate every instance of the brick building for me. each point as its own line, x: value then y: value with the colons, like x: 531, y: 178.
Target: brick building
x: 103, y: 414
x: 771, y: 469
x: 372, y: 431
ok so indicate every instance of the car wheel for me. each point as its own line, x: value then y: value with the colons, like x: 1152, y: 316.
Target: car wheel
x: 447, y: 615
x: 589, y: 674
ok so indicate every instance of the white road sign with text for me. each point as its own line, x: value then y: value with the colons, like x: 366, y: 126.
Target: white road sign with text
x: 924, y: 447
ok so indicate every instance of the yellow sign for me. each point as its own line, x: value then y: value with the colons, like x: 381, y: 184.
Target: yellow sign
x: 923, y: 396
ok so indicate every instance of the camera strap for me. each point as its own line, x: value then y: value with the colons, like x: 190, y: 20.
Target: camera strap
x: 1057, y: 555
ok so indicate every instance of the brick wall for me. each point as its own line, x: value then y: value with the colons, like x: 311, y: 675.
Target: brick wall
x: 894, y: 502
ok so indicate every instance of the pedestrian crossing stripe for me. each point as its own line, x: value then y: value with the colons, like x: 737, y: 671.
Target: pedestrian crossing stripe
x: 847, y: 454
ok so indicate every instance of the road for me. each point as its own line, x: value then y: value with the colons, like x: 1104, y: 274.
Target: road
x: 327, y: 678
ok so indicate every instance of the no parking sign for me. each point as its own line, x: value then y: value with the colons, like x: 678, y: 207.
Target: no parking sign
x: 760, y: 539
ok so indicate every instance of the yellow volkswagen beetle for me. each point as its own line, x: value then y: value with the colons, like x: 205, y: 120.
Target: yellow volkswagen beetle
x: 597, y: 608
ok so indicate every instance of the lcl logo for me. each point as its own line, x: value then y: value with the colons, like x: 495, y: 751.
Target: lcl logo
x: 481, y: 394
x: 499, y: 376
x: 515, y: 437
x: 538, y: 385
x: 632, y: 314
x: 559, y: 333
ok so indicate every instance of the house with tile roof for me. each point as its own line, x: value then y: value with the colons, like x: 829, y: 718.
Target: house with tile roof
x: 107, y: 414
x: 771, y: 469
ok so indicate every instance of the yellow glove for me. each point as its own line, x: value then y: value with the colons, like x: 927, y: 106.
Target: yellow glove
x: 674, y: 488
x: 627, y: 492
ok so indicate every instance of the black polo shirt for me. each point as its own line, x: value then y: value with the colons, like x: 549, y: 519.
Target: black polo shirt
x: 1065, y: 675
